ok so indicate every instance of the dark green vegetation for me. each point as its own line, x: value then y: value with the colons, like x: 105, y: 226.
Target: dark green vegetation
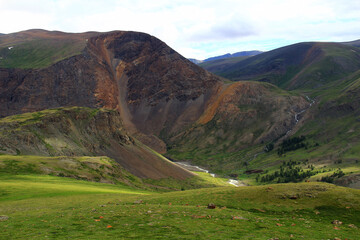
x: 331, y: 178
x: 288, y: 172
x: 291, y: 144
x: 53, y: 207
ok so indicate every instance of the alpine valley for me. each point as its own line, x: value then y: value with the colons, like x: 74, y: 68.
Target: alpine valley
x: 93, y: 124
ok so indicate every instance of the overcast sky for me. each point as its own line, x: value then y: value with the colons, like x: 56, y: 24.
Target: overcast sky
x: 195, y: 28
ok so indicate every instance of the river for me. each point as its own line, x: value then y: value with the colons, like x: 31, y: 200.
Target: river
x: 195, y: 168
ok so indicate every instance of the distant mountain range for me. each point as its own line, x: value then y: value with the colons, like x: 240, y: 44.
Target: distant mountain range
x: 355, y: 43
x: 228, y: 55
x: 301, y: 65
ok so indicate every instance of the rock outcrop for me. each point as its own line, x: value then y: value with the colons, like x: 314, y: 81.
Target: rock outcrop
x: 162, y: 98
x: 154, y: 88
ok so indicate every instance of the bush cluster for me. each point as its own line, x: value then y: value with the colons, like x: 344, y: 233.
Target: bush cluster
x: 288, y: 172
x: 330, y: 179
x: 291, y: 144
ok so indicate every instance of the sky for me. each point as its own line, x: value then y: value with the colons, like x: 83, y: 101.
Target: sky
x: 194, y: 28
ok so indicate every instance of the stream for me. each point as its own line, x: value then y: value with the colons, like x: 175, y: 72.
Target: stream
x: 312, y: 101
x: 296, y: 116
x: 195, y: 168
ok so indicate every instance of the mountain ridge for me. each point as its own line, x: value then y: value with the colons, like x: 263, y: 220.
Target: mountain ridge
x: 301, y: 65
x: 227, y: 55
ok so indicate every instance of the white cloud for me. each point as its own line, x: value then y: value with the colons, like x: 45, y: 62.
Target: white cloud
x: 194, y: 28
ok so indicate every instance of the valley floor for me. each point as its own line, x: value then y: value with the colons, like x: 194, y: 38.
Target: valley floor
x: 48, y: 207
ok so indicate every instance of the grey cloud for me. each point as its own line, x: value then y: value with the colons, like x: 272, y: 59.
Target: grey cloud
x: 224, y: 31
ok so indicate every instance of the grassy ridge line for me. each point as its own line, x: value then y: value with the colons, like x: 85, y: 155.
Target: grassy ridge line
x: 40, y: 53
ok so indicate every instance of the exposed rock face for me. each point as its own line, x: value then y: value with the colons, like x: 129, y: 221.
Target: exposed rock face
x: 161, y: 96
x: 159, y: 90
x: 67, y: 83
x: 152, y: 86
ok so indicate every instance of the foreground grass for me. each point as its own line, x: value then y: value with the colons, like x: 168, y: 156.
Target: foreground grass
x: 42, y: 186
x: 45, y: 207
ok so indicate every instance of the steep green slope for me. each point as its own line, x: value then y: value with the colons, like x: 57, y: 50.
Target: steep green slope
x: 331, y: 129
x: 233, y: 142
x: 299, y: 66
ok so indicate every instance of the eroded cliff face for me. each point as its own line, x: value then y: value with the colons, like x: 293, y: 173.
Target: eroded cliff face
x: 159, y: 91
x: 159, y: 94
x: 71, y: 82
x: 155, y: 89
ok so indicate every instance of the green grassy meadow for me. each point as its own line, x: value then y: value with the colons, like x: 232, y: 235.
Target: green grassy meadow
x: 49, y: 207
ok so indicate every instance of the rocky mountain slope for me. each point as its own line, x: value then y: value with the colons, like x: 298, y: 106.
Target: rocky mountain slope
x: 242, y: 115
x: 83, y: 132
x: 171, y: 104
x: 152, y: 86
x: 158, y: 93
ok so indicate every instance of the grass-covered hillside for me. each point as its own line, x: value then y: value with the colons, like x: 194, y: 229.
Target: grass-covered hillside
x: 216, y: 66
x: 76, y: 132
x: 39, y: 48
x: 243, y: 116
x: 323, y: 144
x: 88, y: 168
x: 300, y: 66
x: 58, y: 208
